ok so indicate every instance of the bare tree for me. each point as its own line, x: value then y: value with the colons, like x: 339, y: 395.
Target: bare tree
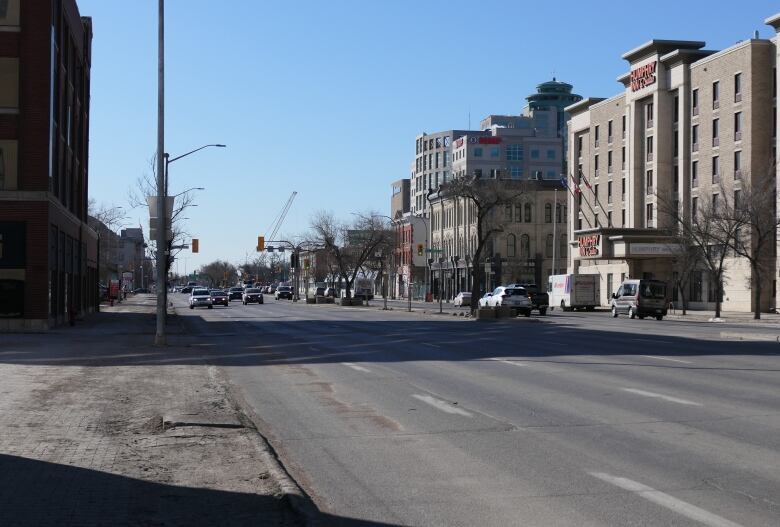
x: 350, y: 244
x: 219, y: 271
x: 753, y: 209
x: 485, y: 197
x: 686, y: 259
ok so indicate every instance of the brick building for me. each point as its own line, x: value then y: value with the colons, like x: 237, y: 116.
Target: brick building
x: 48, y: 252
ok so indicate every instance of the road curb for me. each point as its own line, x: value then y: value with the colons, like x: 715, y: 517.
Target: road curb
x: 730, y: 335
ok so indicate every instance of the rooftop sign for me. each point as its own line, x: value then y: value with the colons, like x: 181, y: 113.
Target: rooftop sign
x: 643, y: 76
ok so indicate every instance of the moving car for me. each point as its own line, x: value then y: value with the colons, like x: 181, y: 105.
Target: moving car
x: 200, y: 298
x: 252, y: 295
x: 483, y: 302
x: 463, y: 299
x: 187, y: 289
x: 235, y: 293
x: 283, y: 291
x: 640, y: 298
x: 511, y: 296
x: 219, y: 297
x: 574, y: 291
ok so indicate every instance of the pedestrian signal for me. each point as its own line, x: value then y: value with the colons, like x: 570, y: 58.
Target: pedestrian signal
x: 195, y: 245
x: 419, y: 249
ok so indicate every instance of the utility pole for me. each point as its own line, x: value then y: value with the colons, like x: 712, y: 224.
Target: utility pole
x: 159, y: 338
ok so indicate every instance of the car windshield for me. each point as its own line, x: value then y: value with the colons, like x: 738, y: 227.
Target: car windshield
x: 200, y: 292
x: 516, y: 292
x: 252, y: 291
x: 464, y: 295
x: 284, y: 288
x: 236, y: 289
x: 653, y: 291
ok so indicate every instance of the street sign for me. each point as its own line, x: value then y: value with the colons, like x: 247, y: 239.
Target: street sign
x: 152, y: 202
x: 434, y: 251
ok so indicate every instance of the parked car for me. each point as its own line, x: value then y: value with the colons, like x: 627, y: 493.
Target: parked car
x: 514, y: 297
x: 363, y: 293
x: 271, y: 289
x: 140, y: 290
x: 283, y: 291
x: 186, y: 289
x: 252, y: 295
x: 320, y: 291
x: 484, y: 301
x: 331, y: 292
x: 235, y: 293
x: 640, y: 298
x: 463, y: 299
x: 219, y: 297
x: 540, y: 300
x: 200, y: 298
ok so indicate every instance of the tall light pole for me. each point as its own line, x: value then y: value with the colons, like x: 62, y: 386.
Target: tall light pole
x: 159, y: 337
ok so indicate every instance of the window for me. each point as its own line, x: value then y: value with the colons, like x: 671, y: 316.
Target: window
x: 511, y: 245
x: 738, y: 164
x: 516, y: 172
x: 551, y: 154
x: 495, y: 151
x: 446, y: 159
x: 508, y: 215
x: 609, y: 219
x: 676, y: 109
x: 715, y: 132
x: 477, y: 173
x: 596, y: 164
x: 623, y: 189
x: 715, y: 169
x: 736, y: 199
x: 579, y: 146
x: 477, y: 152
x: 548, y: 213
x: 609, y: 192
x: 738, y: 126
x: 525, y: 246
x: 8, y: 165
x: 714, y: 203
x: 518, y: 213
x: 694, y: 174
x: 9, y: 12
x: 649, y: 148
x: 437, y: 160
x: 596, y: 135
x: 9, y: 81
x: 695, y: 138
x: 624, y: 126
x: 649, y: 114
x: 676, y: 171
x: 609, y: 161
x: 548, y: 246
x: 695, y: 102
x: 514, y: 152
x: 560, y: 213
x: 715, y: 95
x: 649, y: 181
x: 528, y: 217
x: 676, y: 146
x: 609, y: 131
x: 623, y: 217
x: 696, y: 286
x: 564, y: 248
x: 695, y: 210
x: 623, y: 158
x: 534, y: 154
x: 737, y: 87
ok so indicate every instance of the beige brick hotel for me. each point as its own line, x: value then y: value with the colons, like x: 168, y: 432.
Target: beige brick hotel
x: 690, y: 123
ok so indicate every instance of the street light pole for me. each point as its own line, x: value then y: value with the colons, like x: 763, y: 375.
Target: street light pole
x: 159, y: 338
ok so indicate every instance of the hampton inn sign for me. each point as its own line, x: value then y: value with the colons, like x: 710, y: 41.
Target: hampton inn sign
x: 589, y: 245
x: 643, y: 76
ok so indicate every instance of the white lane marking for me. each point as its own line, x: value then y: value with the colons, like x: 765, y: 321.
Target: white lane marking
x: 356, y: 367
x: 431, y: 345
x: 444, y: 406
x: 665, y: 358
x: 661, y: 396
x: 665, y: 500
x: 506, y: 361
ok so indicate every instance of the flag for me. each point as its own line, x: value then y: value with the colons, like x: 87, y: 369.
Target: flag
x: 576, y: 186
x: 585, y: 180
x: 564, y: 183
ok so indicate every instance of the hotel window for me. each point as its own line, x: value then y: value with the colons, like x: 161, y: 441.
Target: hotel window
x: 438, y: 142
x: 8, y: 167
x: 446, y: 159
x: 738, y: 126
x: 737, y: 87
x: 609, y: 219
x: 514, y: 152
x: 609, y: 131
x: 477, y: 152
x: 715, y: 169
x: 649, y: 182
x: 9, y: 12
x: 9, y: 82
x: 623, y: 189
x: 695, y: 138
x: 495, y: 152
x: 551, y: 154
x: 714, y: 203
x: 695, y: 210
x: 534, y: 154
x: 676, y: 177
x: 596, y: 220
x: 623, y: 218
x: 609, y: 192
x: 649, y: 114
x: 623, y: 158
x: 437, y: 160
x: 676, y: 109
x: 649, y: 146
x: 738, y: 164
x: 596, y: 194
x: 715, y: 132
x: 715, y: 95
x: 649, y: 215
x: 676, y: 144
x: 596, y: 165
x: 694, y: 174
x: 596, y: 136
x: 695, y: 102
x: 624, y: 127
x: 609, y: 162
x: 579, y: 146
x: 736, y: 199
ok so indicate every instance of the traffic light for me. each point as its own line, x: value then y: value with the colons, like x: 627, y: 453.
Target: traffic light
x: 194, y: 245
x: 419, y: 249
x: 260, y: 244
x: 294, y: 261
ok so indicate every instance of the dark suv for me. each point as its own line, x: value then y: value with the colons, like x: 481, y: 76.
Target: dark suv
x: 235, y: 293
x: 539, y: 299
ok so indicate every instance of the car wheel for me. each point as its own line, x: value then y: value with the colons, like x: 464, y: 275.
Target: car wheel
x: 614, y: 312
x: 543, y: 311
x: 659, y: 317
x: 527, y: 313
x: 641, y: 317
x: 210, y: 307
x: 192, y: 307
x: 631, y: 313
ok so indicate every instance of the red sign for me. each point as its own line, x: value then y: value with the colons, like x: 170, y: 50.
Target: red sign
x: 643, y: 76
x: 113, y: 289
x: 489, y: 140
x: 589, y: 244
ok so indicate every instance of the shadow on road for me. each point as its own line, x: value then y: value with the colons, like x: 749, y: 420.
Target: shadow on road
x: 39, y: 493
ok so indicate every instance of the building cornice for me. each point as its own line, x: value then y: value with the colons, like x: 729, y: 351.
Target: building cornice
x: 583, y: 105
x: 657, y: 46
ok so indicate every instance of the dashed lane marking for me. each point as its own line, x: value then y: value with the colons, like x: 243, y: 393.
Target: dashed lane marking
x: 665, y: 358
x: 444, y: 406
x: 356, y: 367
x: 661, y: 396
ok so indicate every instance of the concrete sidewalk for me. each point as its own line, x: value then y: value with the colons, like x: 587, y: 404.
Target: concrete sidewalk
x: 725, y: 316
x: 97, y: 427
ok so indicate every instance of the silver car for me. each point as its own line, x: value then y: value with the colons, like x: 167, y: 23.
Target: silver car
x: 200, y: 298
x: 514, y: 297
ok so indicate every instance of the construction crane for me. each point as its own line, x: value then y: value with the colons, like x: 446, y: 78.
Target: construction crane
x: 279, y: 219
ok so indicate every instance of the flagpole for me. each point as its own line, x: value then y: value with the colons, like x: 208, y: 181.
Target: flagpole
x: 586, y: 201
x: 555, y: 218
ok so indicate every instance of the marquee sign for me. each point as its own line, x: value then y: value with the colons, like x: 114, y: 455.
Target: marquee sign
x: 589, y: 245
x: 643, y: 76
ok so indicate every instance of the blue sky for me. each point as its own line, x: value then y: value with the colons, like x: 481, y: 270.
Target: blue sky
x: 326, y: 98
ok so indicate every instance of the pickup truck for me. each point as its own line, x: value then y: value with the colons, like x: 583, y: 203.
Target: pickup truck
x: 539, y: 299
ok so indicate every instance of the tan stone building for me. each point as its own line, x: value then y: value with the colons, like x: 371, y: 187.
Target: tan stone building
x: 689, y: 125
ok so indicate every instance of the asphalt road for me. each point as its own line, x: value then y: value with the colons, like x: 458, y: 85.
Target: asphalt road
x: 571, y: 419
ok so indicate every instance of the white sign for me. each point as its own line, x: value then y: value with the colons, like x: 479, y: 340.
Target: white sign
x: 152, y: 202
x: 651, y: 249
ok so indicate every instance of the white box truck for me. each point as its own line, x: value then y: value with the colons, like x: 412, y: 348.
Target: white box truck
x: 573, y: 291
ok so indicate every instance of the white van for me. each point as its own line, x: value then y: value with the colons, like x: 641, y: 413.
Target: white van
x: 574, y: 291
